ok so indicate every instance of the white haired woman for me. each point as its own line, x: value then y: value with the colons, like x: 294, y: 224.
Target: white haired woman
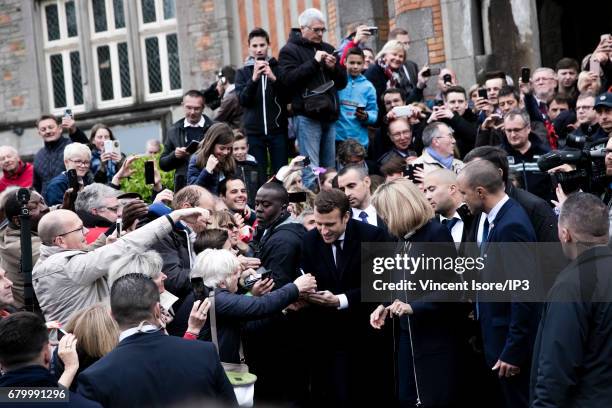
x: 220, y: 271
x: 77, y: 156
x: 385, y: 74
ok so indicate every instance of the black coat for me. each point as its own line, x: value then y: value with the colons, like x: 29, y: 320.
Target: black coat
x: 177, y: 263
x: 255, y: 104
x: 299, y: 71
x: 176, y: 138
x: 233, y: 311
x: 466, y: 128
x: 38, y: 376
x: 572, y: 363
x: 156, y: 370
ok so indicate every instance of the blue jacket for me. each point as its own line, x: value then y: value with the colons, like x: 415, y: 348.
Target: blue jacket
x: 202, y: 177
x: 358, y: 92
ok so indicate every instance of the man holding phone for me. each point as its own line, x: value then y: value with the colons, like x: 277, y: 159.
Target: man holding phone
x: 184, y: 136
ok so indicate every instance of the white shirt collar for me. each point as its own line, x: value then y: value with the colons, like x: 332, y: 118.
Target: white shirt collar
x: 370, y: 210
x: 146, y: 328
x: 493, y: 213
x: 199, y: 124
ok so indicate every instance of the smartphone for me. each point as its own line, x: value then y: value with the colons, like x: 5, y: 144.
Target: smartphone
x: 55, y: 335
x: 447, y: 78
x: 193, y: 146
x: 118, y: 227
x: 434, y: 71
x: 297, y: 197
x: 482, y: 93
x: 438, y: 102
x: 525, y: 75
x: 594, y: 67
x: 200, y: 291
x: 68, y: 113
x: 306, y: 162
x: 73, y: 180
x: 149, y: 172
x: 409, y: 171
x: 402, y: 111
x: 261, y: 273
x: 373, y: 30
x: 108, y: 146
x: 260, y: 58
x: 360, y: 109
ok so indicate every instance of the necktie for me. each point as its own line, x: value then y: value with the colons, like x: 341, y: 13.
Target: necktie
x: 364, y: 216
x: 450, y: 223
x: 339, y: 252
x: 485, y: 231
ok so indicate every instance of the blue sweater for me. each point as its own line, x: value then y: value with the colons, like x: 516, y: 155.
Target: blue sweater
x: 358, y: 92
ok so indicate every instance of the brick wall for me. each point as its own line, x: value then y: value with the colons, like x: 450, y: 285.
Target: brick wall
x: 435, y: 43
x: 332, y: 23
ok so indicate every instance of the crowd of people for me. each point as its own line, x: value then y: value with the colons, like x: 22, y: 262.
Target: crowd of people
x: 253, y: 255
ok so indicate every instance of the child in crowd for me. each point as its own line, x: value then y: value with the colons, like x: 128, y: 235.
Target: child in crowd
x: 246, y: 166
x: 358, y: 107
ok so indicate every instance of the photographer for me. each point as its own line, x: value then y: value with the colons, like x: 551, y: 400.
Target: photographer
x: 229, y: 111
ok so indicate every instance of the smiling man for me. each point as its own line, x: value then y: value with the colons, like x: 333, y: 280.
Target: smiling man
x: 66, y: 278
x: 14, y: 171
x: 233, y: 193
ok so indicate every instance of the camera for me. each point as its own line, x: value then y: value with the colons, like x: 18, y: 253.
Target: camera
x: 211, y: 96
x: 589, y: 159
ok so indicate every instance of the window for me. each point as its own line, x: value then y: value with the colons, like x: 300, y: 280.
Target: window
x: 107, y: 49
x: 62, y: 55
x: 111, y: 57
x: 159, y: 44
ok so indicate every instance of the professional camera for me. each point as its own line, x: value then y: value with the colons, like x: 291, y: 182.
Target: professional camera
x: 587, y: 157
x: 211, y: 96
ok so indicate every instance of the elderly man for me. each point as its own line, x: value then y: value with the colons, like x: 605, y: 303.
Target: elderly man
x: 400, y: 134
x: 14, y: 171
x: 48, y: 161
x: 67, y: 279
x: 77, y: 157
x: 439, y: 152
x: 544, y: 83
x: 572, y: 361
x: 306, y: 63
x: 10, y: 240
x: 97, y: 205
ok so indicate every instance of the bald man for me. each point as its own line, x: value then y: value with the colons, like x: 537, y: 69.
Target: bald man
x: 443, y: 194
x: 14, y: 171
x: 67, y: 279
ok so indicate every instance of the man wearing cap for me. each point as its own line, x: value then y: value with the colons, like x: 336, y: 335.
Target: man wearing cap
x: 603, y: 107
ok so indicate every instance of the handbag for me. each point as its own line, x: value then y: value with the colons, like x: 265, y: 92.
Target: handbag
x: 320, y: 101
x: 237, y: 373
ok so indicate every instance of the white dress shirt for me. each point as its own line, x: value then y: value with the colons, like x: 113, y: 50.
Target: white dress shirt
x: 199, y: 124
x: 371, y: 211
x: 457, y: 230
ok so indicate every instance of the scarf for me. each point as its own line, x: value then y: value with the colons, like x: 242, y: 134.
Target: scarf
x: 393, y: 77
x: 446, y: 161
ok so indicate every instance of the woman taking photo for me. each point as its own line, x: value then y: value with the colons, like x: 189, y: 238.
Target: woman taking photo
x: 213, y: 161
x: 429, y: 343
x: 103, y: 165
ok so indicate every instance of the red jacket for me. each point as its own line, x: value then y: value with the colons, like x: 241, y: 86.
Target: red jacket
x: 23, y: 177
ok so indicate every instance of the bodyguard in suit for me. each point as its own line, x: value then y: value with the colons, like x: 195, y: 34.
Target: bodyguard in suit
x: 339, y: 329
x: 443, y: 194
x: 572, y: 364
x: 508, y: 329
x: 355, y: 183
x: 149, y: 368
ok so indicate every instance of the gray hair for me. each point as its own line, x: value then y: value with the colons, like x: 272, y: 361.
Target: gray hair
x: 545, y: 69
x: 74, y: 149
x: 309, y: 16
x: 391, y: 45
x: 148, y: 263
x: 215, y: 266
x: 10, y: 149
x: 522, y: 113
x: 92, y: 195
x: 586, y: 216
x: 430, y: 132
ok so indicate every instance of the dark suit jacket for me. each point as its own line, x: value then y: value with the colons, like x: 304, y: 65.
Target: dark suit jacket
x: 155, y: 370
x: 509, y: 329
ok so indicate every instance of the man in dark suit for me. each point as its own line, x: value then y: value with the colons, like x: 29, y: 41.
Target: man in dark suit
x: 572, y: 362
x: 25, y: 356
x: 442, y: 193
x: 355, y: 183
x: 149, y: 368
x: 182, y: 132
x: 508, y: 328
x: 340, y: 364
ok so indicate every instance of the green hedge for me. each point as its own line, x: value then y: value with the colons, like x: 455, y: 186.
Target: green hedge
x: 136, y: 182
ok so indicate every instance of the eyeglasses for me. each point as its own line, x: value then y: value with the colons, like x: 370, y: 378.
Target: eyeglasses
x: 585, y: 107
x: 80, y: 162
x: 317, y: 30
x: 402, y: 133
x: 81, y: 228
x: 510, y: 131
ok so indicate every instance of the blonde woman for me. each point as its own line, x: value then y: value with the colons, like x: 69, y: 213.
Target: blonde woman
x: 428, y: 343
x: 96, y: 333
x: 385, y: 73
